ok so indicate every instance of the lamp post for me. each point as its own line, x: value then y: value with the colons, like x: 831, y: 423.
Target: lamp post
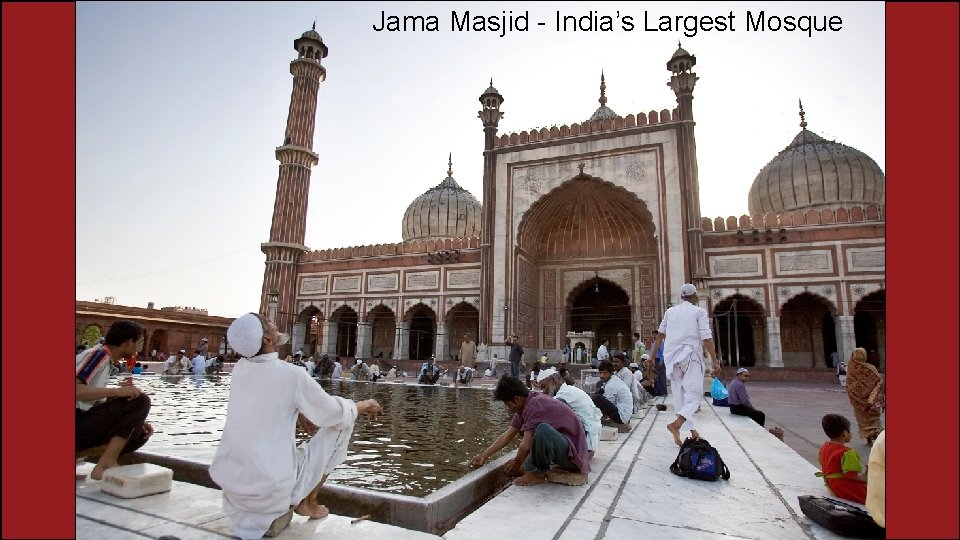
x: 273, y: 299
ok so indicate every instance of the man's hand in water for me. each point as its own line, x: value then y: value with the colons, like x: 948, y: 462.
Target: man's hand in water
x: 369, y: 407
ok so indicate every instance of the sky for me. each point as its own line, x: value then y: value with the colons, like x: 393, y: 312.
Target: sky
x: 181, y: 105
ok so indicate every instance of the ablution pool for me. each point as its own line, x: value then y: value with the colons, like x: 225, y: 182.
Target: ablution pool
x: 422, y: 442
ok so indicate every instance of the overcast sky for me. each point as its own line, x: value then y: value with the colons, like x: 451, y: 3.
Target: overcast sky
x: 181, y: 105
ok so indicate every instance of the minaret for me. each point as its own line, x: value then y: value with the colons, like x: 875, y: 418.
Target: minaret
x: 490, y: 115
x: 682, y: 81
x: 296, y: 159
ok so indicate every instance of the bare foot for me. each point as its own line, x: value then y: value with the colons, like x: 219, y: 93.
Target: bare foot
x: 675, y: 431
x: 694, y: 434
x: 530, y: 478
x: 98, y: 470
x: 312, y: 511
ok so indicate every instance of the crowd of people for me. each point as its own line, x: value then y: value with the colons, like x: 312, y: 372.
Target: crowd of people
x: 558, y: 423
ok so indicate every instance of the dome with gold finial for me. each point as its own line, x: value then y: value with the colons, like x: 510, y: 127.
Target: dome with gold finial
x: 812, y: 173
x: 444, y: 211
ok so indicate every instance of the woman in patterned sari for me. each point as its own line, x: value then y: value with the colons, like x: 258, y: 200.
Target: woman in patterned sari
x: 865, y: 391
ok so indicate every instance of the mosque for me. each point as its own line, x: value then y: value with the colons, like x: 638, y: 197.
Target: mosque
x: 583, y: 232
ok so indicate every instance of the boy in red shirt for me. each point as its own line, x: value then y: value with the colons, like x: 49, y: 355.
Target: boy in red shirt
x: 840, y: 465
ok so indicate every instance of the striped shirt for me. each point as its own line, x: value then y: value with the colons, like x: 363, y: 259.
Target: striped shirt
x: 93, y: 368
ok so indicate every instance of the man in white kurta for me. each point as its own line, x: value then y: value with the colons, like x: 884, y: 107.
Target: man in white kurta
x: 552, y: 384
x: 261, y: 471
x: 603, y: 353
x: 685, y: 331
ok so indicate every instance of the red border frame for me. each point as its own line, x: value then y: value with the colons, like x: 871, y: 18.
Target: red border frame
x: 921, y: 197
x: 39, y: 128
x: 39, y: 171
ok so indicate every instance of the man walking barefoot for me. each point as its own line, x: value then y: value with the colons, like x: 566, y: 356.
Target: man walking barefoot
x: 685, y: 333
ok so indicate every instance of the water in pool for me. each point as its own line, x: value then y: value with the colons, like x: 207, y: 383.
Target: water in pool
x: 422, y: 441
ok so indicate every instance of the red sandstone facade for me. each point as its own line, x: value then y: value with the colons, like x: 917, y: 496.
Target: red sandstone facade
x: 165, y: 331
x: 593, y: 226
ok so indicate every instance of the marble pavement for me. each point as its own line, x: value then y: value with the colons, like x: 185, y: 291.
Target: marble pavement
x: 631, y: 494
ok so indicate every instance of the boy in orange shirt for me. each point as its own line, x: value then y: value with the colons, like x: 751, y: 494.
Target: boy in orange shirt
x: 839, y: 464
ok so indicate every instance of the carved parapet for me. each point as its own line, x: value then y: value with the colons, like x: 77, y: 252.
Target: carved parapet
x: 586, y: 127
x: 796, y: 218
x: 382, y: 250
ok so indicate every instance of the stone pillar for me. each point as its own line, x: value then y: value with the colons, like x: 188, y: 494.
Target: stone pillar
x: 441, y: 345
x: 403, y: 341
x: 330, y: 338
x: 364, y: 339
x: 299, y: 333
x: 774, y: 345
x: 846, y: 337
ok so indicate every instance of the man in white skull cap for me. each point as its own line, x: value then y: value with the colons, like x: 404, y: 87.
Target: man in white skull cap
x: 685, y: 333
x: 552, y: 384
x: 263, y: 476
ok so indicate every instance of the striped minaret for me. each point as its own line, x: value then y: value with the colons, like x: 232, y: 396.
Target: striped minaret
x: 296, y: 158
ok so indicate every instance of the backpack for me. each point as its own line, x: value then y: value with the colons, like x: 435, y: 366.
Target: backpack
x: 697, y: 459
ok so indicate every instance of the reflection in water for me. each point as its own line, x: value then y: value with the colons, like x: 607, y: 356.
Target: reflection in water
x: 422, y: 441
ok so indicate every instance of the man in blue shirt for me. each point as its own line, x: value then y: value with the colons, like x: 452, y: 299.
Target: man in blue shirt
x: 740, y: 401
x: 660, y: 386
x: 429, y: 372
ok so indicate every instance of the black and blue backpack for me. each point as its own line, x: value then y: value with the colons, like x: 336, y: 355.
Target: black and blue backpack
x: 697, y: 459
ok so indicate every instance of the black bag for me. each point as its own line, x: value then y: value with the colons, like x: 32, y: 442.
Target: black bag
x: 697, y: 459
x: 840, y: 517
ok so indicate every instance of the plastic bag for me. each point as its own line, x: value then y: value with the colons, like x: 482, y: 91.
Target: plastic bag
x: 718, y: 390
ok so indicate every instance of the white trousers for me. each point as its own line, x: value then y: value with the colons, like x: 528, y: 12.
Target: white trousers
x: 686, y: 383
x: 317, y: 457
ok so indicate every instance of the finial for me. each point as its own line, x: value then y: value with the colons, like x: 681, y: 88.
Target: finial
x: 491, y: 81
x: 314, y: 27
x: 580, y: 166
x: 803, y: 122
x: 603, y: 90
x: 678, y: 44
x: 450, y: 165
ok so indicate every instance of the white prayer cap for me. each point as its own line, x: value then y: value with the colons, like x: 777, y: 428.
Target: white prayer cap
x: 743, y: 370
x: 544, y: 373
x: 687, y: 289
x: 246, y: 335
x: 634, y: 364
x: 644, y: 356
x: 359, y: 361
x: 203, y: 339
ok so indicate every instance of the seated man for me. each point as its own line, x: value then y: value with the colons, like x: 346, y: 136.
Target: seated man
x: 552, y: 436
x: 116, y: 416
x: 613, y: 398
x: 463, y: 376
x: 552, y: 384
x: 261, y: 472
x: 429, y: 372
x: 623, y: 372
x: 531, y: 377
x: 174, y: 364
x: 374, y: 371
x: 649, y: 368
x: 359, y: 371
x: 739, y: 400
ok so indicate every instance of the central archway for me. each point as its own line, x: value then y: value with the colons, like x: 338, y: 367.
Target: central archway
x: 601, y: 307
x: 586, y: 217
